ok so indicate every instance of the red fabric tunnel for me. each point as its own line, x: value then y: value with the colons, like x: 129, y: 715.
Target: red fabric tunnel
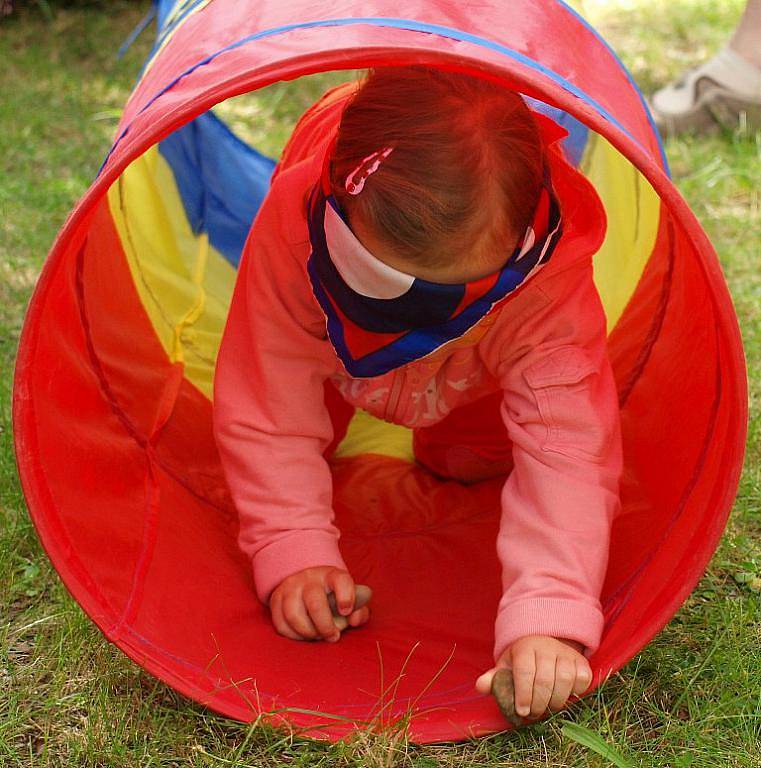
x: 112, y: 409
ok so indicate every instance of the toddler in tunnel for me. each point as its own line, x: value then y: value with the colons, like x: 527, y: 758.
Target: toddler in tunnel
x: 425, y: 254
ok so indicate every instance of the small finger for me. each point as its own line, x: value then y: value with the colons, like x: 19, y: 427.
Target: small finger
x: 342, y: 585
x: 524, y: 669
x: 565, y: 677
x: 316, y: 603
x: 278, y: 621
x: 583, y: 677
x: 544, y: 682
x: 296, y: 616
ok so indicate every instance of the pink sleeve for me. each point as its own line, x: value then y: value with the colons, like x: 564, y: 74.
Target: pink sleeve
x: 270, y: 420
x: 560, y: 408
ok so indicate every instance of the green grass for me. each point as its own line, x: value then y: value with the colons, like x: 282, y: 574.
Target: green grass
x: 68, y: 698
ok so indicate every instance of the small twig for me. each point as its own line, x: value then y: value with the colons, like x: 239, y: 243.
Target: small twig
x: 20, y: 630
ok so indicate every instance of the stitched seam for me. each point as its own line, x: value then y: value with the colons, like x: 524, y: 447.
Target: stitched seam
x: 627, y: 586
x: 110, y: 397
x: 187, y: 343
x: 655, y: 328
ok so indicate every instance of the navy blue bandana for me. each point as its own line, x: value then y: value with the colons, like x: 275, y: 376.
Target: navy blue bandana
x: 379, y: 318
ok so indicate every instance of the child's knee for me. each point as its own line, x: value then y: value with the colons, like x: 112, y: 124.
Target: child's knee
x: 462, y: 463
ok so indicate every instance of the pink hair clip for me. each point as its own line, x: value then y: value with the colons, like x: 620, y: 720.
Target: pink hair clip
x: 355, y: 187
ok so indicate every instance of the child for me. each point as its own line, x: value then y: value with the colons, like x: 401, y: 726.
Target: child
x: 429, y: 260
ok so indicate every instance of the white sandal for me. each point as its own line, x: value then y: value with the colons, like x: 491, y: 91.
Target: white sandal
x: 717, y: 93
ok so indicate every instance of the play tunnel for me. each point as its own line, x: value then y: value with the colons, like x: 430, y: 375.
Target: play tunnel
x: 112, y: 409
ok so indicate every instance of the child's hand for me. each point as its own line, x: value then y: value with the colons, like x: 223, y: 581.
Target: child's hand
x: 546, y: 671
x: 300, y: 609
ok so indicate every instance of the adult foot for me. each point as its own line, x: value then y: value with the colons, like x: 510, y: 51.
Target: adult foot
x: 723, y: 91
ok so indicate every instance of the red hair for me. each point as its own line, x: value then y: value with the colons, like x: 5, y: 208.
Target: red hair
x: 466, y: 169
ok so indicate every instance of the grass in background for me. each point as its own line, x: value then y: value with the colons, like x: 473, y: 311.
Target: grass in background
x: 68, y: 698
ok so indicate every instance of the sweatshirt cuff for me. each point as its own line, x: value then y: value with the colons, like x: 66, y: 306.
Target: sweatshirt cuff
x: 290, y: 554
x: 554, y: 617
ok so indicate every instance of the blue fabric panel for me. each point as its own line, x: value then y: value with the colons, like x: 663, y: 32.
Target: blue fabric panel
x: 578, y: 133
x: 222, y: 181
x: 163, y: 7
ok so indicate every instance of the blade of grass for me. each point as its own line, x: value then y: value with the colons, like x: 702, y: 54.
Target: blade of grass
x: 593, y: 741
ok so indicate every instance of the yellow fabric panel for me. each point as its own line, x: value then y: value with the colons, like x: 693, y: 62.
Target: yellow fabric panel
x: 633, y: 211
x: 368, y: 434
x: 164, y: 256
x: 184, y: 284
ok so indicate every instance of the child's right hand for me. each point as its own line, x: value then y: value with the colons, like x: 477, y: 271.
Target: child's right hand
x: 300, y: 609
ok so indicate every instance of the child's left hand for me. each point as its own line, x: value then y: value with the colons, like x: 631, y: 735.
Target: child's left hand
x: 546, y: 671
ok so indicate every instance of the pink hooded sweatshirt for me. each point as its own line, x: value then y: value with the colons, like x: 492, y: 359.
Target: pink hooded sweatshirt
x: 544, y: 348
